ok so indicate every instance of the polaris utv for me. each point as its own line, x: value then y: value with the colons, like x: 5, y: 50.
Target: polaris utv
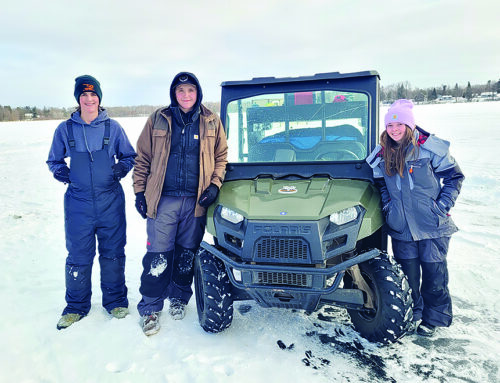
x: 298, y: 223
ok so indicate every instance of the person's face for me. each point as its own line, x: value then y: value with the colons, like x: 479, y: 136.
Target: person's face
x: 89, y: 102
x: 185, y: 95
x: 396, y: 130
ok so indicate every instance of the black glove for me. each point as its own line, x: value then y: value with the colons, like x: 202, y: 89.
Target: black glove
x: 208, y: 196
x: 140, y: 204
x: 62, y: 174
x: 119, y: 171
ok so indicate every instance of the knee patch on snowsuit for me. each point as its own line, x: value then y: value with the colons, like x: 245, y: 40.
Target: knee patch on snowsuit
x: 183, y: 266
x: 78, y: 277
x: 112, y: 269
x: 156, y: 273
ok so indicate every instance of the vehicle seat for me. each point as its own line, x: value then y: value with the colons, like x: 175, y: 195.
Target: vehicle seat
x: 284, y: 155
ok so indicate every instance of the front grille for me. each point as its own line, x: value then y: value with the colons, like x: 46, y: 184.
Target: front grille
x: 289, y: 279
x: 282, y: 248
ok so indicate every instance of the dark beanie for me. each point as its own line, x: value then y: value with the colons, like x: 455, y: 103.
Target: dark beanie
x: 184, y: 78
x: 87, y: 83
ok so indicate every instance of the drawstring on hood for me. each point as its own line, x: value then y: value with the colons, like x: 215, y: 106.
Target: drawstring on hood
x: 86, y: 143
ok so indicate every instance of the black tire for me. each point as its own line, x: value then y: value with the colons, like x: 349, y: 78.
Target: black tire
x: 214, y: 300
x: 393, y: 313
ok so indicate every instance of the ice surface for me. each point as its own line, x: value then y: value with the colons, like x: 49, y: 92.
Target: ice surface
x: 325, y: 347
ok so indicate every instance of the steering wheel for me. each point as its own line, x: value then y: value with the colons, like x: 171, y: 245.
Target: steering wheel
x: 337, y: 155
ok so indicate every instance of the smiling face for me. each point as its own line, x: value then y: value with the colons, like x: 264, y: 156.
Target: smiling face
x: 89, y: 103
x: 186, y: 95
x: 396, y: 130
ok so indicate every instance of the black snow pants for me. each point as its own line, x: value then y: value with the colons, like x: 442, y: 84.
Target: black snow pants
x: 424, y: 263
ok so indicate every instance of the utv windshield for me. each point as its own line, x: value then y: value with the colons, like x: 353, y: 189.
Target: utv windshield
x: 298, y: 127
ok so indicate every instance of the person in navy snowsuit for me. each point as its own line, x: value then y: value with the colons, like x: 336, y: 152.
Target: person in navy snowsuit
x: 94, y: 202
x: 419, y: 182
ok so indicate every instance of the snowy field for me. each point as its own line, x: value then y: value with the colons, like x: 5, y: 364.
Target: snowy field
x: 321, y: 347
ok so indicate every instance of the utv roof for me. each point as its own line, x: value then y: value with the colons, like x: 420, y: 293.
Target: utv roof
x: 318, y: 76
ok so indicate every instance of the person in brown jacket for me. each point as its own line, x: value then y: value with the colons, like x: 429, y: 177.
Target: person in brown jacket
x: 180, y: 166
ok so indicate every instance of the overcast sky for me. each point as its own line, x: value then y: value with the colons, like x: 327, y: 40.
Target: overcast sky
x: 134, y: 48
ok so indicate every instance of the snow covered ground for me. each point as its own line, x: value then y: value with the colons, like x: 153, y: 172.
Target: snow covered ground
x: 321, y: 347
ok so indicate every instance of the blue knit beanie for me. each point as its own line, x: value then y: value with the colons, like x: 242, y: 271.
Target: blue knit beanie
x: 87, y: 83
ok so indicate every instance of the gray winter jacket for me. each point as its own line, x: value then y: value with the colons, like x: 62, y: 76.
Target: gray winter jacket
x: 416, y: 205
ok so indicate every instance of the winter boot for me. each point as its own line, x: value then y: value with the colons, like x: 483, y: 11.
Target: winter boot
x: 177, y: 309
x: 119, y: 312
x: 426, y: 329
x: 67, y: 320
x: 151, y: 323
x: 412, y: 327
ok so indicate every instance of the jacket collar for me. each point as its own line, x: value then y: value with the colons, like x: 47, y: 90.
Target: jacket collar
x: 205, y: 113
x: 101, y: 117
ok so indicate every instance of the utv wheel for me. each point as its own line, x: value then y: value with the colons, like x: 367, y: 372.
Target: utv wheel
x: 392, y: 313
x: 213, y: 293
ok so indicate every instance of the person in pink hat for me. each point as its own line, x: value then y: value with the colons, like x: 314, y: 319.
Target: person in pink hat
x: 419, y: 182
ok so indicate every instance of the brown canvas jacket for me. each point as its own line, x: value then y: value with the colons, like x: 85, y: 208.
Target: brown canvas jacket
x: 153, y: 148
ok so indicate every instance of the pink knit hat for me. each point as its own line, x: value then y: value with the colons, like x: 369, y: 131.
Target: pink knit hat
x: 401, y: 111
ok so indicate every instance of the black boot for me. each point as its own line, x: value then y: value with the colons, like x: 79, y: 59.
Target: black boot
x: 426, y: 329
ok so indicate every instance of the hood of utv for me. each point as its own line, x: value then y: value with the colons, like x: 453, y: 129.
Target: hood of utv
x: 312, y: 199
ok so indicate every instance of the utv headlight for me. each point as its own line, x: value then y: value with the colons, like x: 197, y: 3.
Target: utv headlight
x: 237, y: 275
x: 344, y: 216
x: 231, y: 215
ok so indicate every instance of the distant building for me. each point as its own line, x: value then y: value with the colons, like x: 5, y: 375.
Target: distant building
x: 445, y: 99
x: 486, y: 96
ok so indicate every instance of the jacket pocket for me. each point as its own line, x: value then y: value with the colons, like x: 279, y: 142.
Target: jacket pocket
x: 394, y: 217
x: 159, y: 132
x: 159, y: 138
x: 423, y: 174
x: 440, y: 214
x: 427, y: 216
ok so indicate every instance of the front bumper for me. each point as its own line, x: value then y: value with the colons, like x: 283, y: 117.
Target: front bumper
x: 293, y: 286
x: 314, y: 274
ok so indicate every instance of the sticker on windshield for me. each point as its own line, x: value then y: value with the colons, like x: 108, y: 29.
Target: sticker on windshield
x: 288, y: 190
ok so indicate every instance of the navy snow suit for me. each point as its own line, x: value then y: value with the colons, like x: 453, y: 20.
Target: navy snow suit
x: 94, y: 206
x: 416, y: 210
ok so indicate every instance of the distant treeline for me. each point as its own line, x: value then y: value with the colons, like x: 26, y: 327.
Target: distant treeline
x: 404, y: 90
x: 387, y: 93
x: 8, y: 113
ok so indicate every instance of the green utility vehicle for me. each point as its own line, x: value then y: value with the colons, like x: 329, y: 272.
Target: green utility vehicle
x: 298, y: 223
